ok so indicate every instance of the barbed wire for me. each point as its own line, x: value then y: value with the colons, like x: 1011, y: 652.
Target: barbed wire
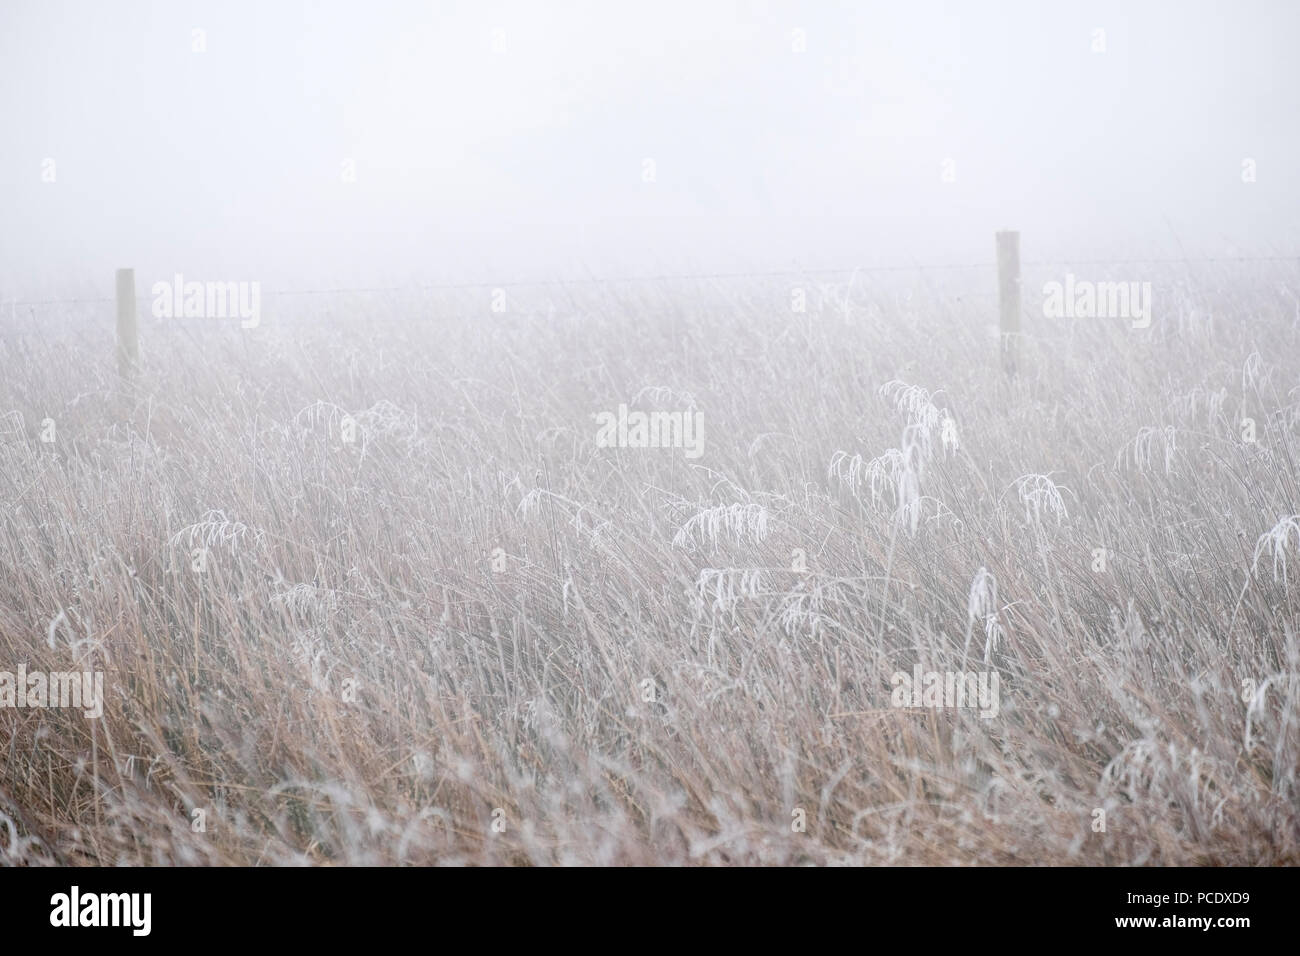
x: 703, y: 276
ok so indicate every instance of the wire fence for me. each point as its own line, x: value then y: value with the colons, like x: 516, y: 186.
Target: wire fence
x: 706, y: 277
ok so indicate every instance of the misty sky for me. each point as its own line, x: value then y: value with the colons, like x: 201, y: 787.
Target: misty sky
x: 526, y: 160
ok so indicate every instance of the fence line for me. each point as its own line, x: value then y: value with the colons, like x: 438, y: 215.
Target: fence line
x: 704, y: 276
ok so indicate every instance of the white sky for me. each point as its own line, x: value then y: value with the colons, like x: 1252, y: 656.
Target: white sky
x: 527, y: 163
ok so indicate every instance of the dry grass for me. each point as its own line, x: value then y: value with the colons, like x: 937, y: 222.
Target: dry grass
x: 948, y: 518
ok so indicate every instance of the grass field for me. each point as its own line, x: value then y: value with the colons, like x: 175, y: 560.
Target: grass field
x: 365, y: 589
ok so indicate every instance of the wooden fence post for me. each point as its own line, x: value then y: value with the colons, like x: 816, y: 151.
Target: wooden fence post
x: 1008, y: 243
x: 128, y: 342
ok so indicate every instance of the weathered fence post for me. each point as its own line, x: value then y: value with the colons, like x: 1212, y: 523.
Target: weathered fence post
x: 128, y: 343
x: 1008, y: 242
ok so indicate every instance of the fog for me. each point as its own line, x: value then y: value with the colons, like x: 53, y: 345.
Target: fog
x: 315, y: 142
x: 644, y: 460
